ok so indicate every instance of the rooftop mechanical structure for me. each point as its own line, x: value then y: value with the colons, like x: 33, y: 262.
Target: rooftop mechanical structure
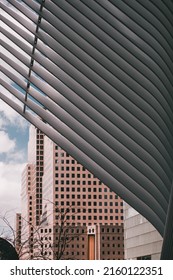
x: 96, y: 76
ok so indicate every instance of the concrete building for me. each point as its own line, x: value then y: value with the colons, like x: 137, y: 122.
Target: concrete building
x: 95, y: 242
x: 27, y: 211
x: 59, y: 184
x: 36, y: 158
x: 54, y: 182
x: 69, y: 188
x: 31, y: 191
x: 18, y: 232
x: 141, y: 240
x: 67, y: 184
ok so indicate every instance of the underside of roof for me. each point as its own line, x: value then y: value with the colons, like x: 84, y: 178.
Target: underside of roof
x: 96, y: 76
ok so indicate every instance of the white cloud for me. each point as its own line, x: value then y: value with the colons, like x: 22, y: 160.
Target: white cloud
x: 10, y: 177
x: 3, y: 123
x: 6, y: 144
x: 10, y: 187
x: 16, y: 156
x: 10, y: 117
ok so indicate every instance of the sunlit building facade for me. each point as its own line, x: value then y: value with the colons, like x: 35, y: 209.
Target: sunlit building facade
x: 62, y: 186
x: 31, y: 192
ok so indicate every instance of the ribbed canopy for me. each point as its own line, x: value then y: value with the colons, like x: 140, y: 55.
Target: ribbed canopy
x: 96, y: 76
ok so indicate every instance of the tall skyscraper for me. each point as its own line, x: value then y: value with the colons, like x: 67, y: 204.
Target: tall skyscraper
x: 66, y: 197
x: 36, y: 158
x: 31, y: 191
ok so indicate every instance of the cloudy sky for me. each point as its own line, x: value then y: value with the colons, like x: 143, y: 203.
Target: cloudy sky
x: 13, y: 156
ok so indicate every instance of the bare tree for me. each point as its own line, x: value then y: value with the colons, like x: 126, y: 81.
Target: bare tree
x: 6, y: 230
x: 64, y: 232
x: 37, y: 240
x: 23, y: 246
